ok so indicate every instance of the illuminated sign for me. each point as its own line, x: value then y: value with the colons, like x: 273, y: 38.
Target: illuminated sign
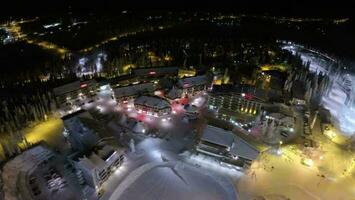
x: 152, y: 73
x: 83, y: 85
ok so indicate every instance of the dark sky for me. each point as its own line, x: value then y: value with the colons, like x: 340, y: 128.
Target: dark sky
x: 323, y: 8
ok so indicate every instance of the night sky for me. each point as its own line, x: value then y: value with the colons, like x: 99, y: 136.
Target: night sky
x: 301, y: 8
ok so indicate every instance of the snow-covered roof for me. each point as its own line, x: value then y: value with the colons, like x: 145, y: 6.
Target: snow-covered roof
x: 244, y: 149
x: 238, y: 146
x: 133, y: 90
x: 25, y: 162
x: 217, y: 136
x: 193, y: 81
x: 152, y: 101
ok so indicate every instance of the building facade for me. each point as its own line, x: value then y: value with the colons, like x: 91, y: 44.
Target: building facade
x: 155, y: 72
x: 226, y: 103
x: 99, y: 165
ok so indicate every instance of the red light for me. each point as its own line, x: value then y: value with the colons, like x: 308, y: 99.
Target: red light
x: 83, y: 85
x: 152, y: 72
x: 248, y: 96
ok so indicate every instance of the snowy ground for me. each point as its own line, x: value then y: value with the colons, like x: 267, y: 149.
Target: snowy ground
x: 343, y: 115
x: 330, y: 176
x: 173, y: 181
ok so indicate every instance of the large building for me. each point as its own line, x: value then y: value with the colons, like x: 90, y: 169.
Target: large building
x: 155, y: 72
x: 71, y: 96
x: 237, y: 102
x: 77, y: 133
x: 124, y: 94
x: 16, y: 172
x: 97, y: 166
x: 152, y: 105
x: 193, y: 85
x: 224, y: 144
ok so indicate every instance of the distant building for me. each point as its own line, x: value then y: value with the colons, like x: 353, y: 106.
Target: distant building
x: 97, y: 166
x: 193, y: 85
x: 155, y: 72
x: 124, y: 94
x: 152, y: 105
x: 72, y: 95
x: 187, y: 73
x: 78, y: 134
x: 224, y: 144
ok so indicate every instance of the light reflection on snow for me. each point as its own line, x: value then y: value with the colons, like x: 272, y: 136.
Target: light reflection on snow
x: 340, y: 100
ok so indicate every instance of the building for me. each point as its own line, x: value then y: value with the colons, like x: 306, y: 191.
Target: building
x: 97, y: 166
x: 174, y: 93
x: 71, y: 96
x: 77, y: 133
x: 152, y: 105
x: 193, y: 85
x: 223, y: 144
x: 155, y: 72
x: 124, y: 94
x: 237, y: 102
x: 16, y: 172
x: 216, y: 142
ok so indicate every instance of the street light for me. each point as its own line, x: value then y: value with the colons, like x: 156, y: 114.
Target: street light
x: 279, y: 152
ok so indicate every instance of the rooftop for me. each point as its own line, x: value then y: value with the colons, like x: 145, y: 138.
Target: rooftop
x: 133, y: 89
x: 23, y: 163
x: 192, y: 81
x: 218, y: 136
x: 97, y: 159
x: 152, y: 101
